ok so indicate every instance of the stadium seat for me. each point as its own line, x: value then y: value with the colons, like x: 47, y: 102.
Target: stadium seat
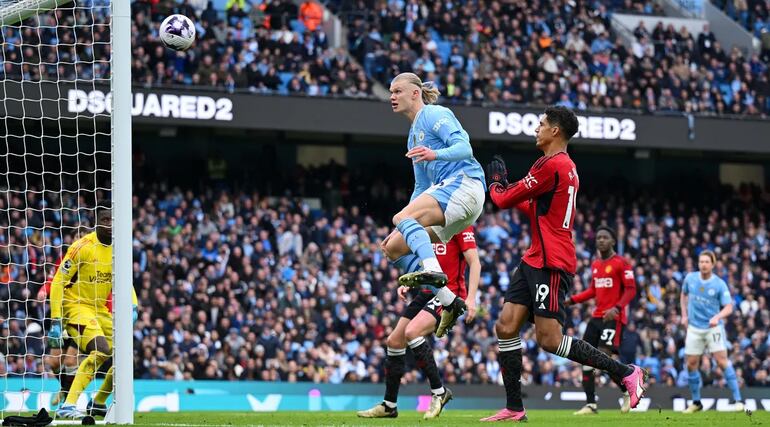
x: 285, y: 78
x: 444, y: 50
x: 297, y: 26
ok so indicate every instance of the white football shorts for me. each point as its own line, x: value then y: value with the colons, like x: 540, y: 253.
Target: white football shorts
x: 700, y: 341
x: 462, y: 200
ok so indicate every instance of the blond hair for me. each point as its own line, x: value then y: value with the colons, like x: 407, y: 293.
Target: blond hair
x: 430, y: 92
x: 712, y: 256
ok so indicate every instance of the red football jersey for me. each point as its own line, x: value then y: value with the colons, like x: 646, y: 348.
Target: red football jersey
x: 613, y: 285
x: 547, y: 194
x: 450, y: 256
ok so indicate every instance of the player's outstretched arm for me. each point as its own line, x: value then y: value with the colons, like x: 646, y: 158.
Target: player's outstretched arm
x: 448, y: 129
x: 629, y: 287
x: 508, y: 196
x: 474, y: 277
x: 726, y: 301
x: 64, y: 274
x: 724, y: 313
x: 459, y: 148
x: 683, y: 306
x: 497, y: 172
x: 421, y: 153
x: 582, y: 296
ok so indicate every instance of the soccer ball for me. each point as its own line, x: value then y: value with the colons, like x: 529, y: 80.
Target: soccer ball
x: 177, y: 32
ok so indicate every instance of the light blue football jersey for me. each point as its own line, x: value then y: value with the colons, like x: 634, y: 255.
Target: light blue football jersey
x: 437, y: 128
x: 705, y: 298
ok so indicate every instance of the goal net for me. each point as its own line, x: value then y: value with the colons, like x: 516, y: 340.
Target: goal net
x: 57, y: 148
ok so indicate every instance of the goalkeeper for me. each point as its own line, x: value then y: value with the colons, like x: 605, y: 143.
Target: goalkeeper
x: 79, y: 292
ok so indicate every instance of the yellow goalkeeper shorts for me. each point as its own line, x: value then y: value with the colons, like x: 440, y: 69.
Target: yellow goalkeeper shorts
x: 84, y: 324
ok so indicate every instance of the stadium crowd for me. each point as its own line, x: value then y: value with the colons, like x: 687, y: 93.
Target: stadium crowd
x: 239, y: 285
x: 274, y: 48
x: 754, y: 15
x: 270, y: 47
x: 526, y: 52
x: 73, y: 43
x: 501, y: 53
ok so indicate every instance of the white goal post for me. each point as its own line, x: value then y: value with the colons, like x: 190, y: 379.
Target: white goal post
x: 121, y: 186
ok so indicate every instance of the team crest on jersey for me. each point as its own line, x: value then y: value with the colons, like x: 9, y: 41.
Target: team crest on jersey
x: 608, y: 269
x: 420, y: 136
x: 66, y: 265
x: 712, y: 292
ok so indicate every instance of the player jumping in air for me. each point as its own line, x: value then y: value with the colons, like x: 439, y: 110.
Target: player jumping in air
x: 448, y: 192
x: 547, y: 194
x: 613, y: 286
x: 705, y: 301
x: 79, y: 292
x: 420, y: 320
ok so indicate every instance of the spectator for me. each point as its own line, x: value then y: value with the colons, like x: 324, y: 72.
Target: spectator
x: 706, y: 40
x: 311, y: 14
x: 209, y: 15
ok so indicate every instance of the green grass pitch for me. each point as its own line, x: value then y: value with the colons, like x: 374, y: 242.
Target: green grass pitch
x: 451, y: 418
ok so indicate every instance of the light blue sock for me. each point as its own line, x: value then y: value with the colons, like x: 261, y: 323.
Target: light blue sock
x: 732, y: 381
x: 408, y: 263
x: 411, y: 263
x: 695, y: 382
x: 416, y: 238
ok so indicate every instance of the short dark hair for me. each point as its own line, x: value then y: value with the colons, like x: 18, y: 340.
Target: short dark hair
x: 103, y: 206
x: 563, y: 118
x: 608, y: 229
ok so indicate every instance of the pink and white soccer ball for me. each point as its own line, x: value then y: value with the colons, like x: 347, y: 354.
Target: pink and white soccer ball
x: 177, y: 32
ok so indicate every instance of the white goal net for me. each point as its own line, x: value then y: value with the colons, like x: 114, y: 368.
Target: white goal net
x: 56, y: 172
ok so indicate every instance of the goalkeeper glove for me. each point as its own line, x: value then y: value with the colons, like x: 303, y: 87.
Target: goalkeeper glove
x: 497, y: 172
x: 54, y: 334
x: 134, y: 313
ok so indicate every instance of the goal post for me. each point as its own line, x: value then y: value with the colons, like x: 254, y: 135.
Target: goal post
x: 121, y: 183
x: 58, y: 166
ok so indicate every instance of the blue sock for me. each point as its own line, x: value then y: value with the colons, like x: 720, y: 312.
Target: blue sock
x: 411, y: 263
x: 408, y: 263
x: 695, y: 382
x: 732, y: 381
x: 416, y: 238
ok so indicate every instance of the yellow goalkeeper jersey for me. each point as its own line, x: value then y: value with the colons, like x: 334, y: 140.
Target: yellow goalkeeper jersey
x: 84, y: 277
